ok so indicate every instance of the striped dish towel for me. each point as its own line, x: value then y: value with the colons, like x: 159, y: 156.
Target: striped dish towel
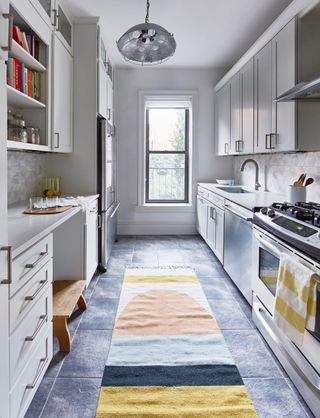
x: 295, y: 301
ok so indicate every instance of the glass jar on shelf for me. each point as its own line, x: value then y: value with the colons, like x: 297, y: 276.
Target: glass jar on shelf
x: 31, y: 135
x: 16, y: 133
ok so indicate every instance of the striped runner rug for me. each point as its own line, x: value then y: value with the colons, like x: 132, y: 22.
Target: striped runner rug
x: 168, y: 357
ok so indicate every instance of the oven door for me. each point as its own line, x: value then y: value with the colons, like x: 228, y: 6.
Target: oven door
x: 267, y: 252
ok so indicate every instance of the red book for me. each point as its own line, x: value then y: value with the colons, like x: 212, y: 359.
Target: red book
x: 17, y: 74
x: 30, y: 92
x: 16, y: 35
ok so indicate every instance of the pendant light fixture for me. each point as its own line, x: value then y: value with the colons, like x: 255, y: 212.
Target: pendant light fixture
x: 147, y: 43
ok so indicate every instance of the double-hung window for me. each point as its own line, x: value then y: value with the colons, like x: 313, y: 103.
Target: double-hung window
x: 167, y: 151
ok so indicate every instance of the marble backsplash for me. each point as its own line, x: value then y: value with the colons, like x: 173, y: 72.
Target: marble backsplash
x: 24, y: 175
x: 277, y: 171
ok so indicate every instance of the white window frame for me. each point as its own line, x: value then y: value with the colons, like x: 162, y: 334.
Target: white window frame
x: 166, y: 97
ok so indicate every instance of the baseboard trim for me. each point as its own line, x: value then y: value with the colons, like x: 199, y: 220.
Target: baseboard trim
x: 151, y: 228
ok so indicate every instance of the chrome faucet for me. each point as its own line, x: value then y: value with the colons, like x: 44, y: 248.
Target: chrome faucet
x: 250, y: 160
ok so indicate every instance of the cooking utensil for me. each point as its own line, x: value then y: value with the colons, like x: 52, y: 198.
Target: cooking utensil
x: 299, y: 182
x: 309, y: 181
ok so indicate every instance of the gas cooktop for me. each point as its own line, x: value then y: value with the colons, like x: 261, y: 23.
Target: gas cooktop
x: 298, y: 224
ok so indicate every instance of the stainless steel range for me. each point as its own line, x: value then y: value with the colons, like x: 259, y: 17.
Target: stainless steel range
x: 294, y: 230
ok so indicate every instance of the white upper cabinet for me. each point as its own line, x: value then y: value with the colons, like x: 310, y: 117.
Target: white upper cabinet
x: 103, y: 90
x: 284, y: 78
x: 275, y: 73
x: 5, y: 29
x: 222, y: 120
x: 63, y: 27
x: 245, y: 144
x: 263, y: 99
x: 62, y: 97
x: 46, y: 10
x: 235, y: 113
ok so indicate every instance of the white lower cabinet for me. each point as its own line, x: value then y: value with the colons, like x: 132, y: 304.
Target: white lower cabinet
x: 22, y: 393
x: 30, y: 323
x: 91, y: 240
x: 210, y: 220
x: 202, y: 216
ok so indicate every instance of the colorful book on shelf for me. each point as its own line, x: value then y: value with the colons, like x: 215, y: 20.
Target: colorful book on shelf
x: 17, y: 74
x: 25, y: 42
x: 16, y: 35
x: 30, y: 90
x: 10, y: 72
x: 36, y: 86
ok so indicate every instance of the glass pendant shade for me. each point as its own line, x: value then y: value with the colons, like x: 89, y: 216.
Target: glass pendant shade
x: 147, y: 44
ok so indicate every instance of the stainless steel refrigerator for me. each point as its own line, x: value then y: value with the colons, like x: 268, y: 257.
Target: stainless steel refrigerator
x: 107, y: 189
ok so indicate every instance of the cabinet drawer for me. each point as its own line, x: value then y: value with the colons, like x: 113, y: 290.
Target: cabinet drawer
x: 22, y: 393
x: 203, y: 192
x: 25, y: 265
x: 29, y: 333
x: 29, y: 295
x: 217, y: 200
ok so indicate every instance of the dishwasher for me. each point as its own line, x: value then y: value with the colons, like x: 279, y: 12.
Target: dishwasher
x: 238, y: 247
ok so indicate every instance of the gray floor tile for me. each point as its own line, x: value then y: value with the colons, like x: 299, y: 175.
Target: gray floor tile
x: 208, y: 269
x: 73, y: 398
x: 89, y: 290
x: 40, y: 398
x: 274, y: 398
x: 145, y: 257
x: 251, y: 355
x: 109, y: 288
x: 228, y: 314
x: 100, y: 314
x: 88, y: 355
x: 215, y: 288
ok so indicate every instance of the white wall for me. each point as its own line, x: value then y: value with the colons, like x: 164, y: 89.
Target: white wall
x: 136, y: 220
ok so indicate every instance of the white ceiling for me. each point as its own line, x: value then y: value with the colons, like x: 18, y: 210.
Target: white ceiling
x: 209, y: 33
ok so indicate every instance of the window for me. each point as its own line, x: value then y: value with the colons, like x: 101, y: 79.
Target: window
x: 167, y: 146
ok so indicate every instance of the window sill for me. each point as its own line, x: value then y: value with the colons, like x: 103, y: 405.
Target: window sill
x: 164, y: 207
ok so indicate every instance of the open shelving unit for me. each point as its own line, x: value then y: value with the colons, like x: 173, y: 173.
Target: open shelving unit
x: 36, y: 113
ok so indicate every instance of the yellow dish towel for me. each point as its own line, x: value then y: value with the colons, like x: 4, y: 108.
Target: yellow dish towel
x: 296, y: 299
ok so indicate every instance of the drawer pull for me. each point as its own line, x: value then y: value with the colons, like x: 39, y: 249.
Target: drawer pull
x: 33, y: 384
x: 43, y: 284
x: 41, y: 256
x: 9, y: 251
x: 44, y: 319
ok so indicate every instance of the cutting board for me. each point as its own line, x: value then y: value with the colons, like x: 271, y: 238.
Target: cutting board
x: 49, y: 211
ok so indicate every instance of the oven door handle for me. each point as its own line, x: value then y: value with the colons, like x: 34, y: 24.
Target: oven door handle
x: 273, y: 249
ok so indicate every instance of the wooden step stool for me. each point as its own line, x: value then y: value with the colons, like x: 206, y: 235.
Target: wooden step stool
x: 66, y: 295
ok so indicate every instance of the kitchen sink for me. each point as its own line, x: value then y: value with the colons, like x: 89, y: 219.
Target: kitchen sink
x: 233, y: 189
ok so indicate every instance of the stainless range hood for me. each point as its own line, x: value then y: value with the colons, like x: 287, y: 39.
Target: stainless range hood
x: 306, y: 91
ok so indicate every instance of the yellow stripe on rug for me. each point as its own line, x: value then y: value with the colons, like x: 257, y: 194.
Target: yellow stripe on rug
x: 174, y: 402
x: 159, y: 279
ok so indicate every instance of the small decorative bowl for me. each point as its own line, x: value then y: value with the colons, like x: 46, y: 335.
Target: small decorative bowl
x: 224, y: 182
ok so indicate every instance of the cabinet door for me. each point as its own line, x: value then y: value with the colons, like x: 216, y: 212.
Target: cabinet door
x: 46, y: 10
x: 63, y: 27
x: 62, y: 97
x: 211, y: 228
x: 222, y: 120
x: 263, y: 102
x: 110, y: 102
x: 4, y: 29
x: 4, y: 288
x: 103, y: 90
x: 235, y: 113
x: 246, y: 117
x: 219, y: 234
x: 284, y: 73
x: 202, y: 217
x: 91, y: 245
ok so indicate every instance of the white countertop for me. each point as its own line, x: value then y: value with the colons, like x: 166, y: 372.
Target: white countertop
x: 247, y: 200
x: 26, y: 230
